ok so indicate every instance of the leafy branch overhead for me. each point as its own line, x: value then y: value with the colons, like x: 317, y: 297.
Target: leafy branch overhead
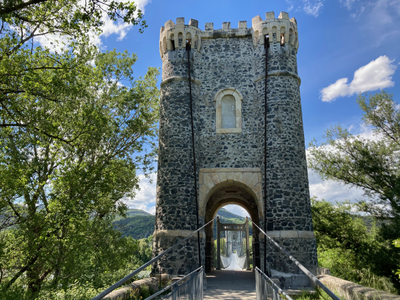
x: 370, y: 164
x: 75, y: 128
x: 83, y: 13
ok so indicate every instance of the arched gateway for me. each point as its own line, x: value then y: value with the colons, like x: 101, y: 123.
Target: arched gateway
x: 231, y: 132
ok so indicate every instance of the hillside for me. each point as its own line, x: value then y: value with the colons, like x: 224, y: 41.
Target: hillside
x: 228, y: 217
x: 133, y: 212
x: 140, y: 224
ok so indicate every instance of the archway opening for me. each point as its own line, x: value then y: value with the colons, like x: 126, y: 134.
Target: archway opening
x: 237, y: 199
x: 233, y: 239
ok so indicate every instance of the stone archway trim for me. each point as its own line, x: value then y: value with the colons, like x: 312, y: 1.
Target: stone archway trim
x: 212, y: 179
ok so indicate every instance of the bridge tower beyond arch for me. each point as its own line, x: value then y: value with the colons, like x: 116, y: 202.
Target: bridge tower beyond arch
x: 223, y: 186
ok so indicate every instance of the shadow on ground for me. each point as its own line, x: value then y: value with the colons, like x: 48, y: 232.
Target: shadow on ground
x: 226, y: 284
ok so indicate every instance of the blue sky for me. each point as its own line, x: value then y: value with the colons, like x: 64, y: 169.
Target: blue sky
x: 346, y: 46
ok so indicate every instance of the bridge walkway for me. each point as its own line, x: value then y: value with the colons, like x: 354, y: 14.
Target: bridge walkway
x: 228, y: 284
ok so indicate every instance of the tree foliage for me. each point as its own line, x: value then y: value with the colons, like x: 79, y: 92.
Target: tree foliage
x: 350, y: 249
x: 137, y: 227
x: 73, y: 125
x: 370, y: 164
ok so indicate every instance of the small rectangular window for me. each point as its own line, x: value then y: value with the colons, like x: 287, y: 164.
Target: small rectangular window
x: 266, y: 41
x: 188, y: 45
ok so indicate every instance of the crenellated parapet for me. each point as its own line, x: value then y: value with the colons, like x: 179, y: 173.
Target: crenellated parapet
x: 179, y: 36
x: 279, y: 32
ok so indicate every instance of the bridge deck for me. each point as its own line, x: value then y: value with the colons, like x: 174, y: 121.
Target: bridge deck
x: 226, y: 284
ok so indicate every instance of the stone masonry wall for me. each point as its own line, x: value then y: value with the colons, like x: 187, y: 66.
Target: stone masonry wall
x: 224, y: 61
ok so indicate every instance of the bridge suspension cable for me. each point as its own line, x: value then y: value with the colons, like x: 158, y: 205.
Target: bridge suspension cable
x: 299, y: 265
x: 188, y: 48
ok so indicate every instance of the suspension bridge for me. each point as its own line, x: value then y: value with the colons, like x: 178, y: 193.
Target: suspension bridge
x: 231, y: 132
x: 234, y: 281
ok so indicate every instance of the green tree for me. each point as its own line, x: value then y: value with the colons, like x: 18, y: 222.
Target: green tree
x: 73, y: 125
x: 350, y: 249
x: 31, y: 77
x: 369, y: 164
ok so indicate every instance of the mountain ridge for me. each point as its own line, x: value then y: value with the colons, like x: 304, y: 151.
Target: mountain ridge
x: 140, y: 224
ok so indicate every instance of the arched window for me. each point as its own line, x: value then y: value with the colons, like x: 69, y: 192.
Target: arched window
x: 228, y: 111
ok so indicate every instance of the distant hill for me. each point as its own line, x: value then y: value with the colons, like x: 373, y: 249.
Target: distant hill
x: 133, y: 212
x: 140, y: 224
x: 227, y: 215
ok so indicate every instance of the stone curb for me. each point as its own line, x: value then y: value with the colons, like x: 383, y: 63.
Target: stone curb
x: 352, y: 291
x: 126, y: 291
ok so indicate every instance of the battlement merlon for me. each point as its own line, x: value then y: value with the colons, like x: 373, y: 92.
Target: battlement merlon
x: 280, y: 30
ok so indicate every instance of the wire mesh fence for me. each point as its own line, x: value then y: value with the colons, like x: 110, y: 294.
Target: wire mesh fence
x: 242, y: 261
x: 225, y: 261
x: 267, y: 289
x: 189, y: 287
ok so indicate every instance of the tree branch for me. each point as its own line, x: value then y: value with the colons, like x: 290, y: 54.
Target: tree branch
x: 9, y: 9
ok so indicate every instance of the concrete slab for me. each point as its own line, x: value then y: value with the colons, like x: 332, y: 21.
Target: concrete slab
x: 226, y: 284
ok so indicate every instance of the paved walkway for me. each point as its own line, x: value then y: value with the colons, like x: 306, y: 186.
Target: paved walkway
x: 225, y: 284
x: 234, y: 263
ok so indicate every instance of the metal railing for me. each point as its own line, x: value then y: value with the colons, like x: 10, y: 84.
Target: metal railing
x: 188, y: 287
x: 267, y: 289
x: 300, y: 266
x: 128, y: 277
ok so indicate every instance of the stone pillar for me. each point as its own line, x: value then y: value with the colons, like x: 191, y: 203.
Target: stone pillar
x: 247, y: 245
x: 218, y: 245
x: 176, y: 205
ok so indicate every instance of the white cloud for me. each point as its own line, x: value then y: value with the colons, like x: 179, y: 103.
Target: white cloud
x: 290, y: 3
x: 110, y: 27
x: 375, y: 75
x: 312, y: 7
x: 347, y: 3
x: 331, y: 190
x: 236, y: 209
x: 379, y: 18
x: 145, y: 198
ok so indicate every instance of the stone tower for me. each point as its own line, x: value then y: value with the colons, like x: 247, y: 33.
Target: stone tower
x: 227, y: 87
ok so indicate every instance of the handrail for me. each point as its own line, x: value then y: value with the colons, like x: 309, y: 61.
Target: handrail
x: 279, y: 290
x: 126, y: 278
x: 301, y: 267
x: 175, y: 283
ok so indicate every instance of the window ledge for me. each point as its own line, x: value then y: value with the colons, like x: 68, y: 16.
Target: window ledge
x: 229, y: 130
